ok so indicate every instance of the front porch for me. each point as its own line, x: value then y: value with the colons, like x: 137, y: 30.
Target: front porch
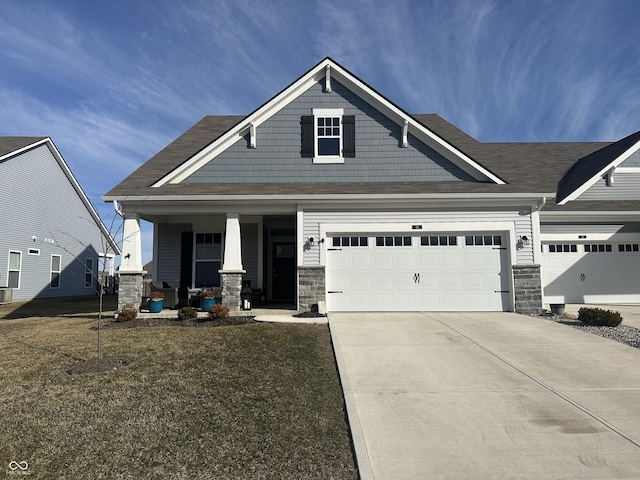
x: 228, y: 251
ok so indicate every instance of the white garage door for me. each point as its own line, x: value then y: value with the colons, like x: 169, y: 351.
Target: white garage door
x: 435, y: 272
x: 591, y: 273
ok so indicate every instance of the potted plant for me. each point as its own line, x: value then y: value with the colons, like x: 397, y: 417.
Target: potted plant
x: 156, y: 302
x: 208, y: 299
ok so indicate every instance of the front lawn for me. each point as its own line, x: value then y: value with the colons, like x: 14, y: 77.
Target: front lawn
x: 247, y: 401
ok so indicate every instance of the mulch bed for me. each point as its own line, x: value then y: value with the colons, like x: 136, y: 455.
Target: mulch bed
x: 171, y: 322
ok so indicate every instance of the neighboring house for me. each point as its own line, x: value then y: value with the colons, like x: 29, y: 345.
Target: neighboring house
x: 331, y: 193
x: 51, y: 237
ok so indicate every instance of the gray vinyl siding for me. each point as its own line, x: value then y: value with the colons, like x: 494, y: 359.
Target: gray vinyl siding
x: 378, y: 158
x: 39, y: 201
x: 632, y: 161
x: 521, y: 219
x: 587, y: 228
x: 626, y: 186
x: 168, y: 254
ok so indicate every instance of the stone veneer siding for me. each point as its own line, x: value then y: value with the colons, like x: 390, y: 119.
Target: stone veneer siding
x: 311, y: 286
x: 231, y: 289
x: 528, y: 289
x: 130, y: 290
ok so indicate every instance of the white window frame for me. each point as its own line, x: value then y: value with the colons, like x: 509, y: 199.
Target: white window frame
x: 52, y: 271
x: 196, y: 260
x: 9, y: 270
x: 89, y: 273
x: 33, y: 251
x: 325, y: 113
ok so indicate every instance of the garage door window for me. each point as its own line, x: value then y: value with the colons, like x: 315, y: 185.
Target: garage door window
x: 628, y: 247
x: 471, y: 240
x: 434, y: 241
x: 350, y: 241
x: 566, y: 248
x: 393, y: 241
x: 598, y: 248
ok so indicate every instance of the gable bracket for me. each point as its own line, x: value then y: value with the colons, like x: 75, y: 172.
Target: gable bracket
x: 608, y: 178
x: 405, y: 134
x: 252, y: 135
x: 327, y: 79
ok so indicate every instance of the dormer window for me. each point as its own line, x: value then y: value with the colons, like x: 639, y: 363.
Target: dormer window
x: 328, y: 136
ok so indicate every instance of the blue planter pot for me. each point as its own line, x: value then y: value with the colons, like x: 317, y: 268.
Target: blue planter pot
x: 155, y: 306
x: 207, y: 303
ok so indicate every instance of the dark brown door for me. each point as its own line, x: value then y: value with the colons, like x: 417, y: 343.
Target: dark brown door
x: 284, y: 271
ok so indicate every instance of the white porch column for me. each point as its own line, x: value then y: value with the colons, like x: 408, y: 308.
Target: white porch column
x: 232, y: 262
x: 131, y: 261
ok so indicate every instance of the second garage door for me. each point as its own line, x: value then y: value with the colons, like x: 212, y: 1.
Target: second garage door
x: 434, y: 272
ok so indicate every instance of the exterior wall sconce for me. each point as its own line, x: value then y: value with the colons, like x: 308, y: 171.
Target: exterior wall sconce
x: 522, y: 241
x: 245, y: 295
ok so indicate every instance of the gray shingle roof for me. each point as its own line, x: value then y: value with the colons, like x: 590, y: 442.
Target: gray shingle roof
x: 526, y: 167
x: 11, y: 144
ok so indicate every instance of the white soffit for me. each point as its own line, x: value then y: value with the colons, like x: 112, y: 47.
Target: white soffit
x: 296, y: 89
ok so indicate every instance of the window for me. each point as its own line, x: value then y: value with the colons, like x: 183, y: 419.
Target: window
x: 328, y: 136
x: 88, y: 272
x: 439, y: 240
x: 56, y: 262
x: 393, y: 241
x: 208, y: 259
x: 598, y: 248
x: 350, y: 241
x: 15, y: 264
x: 566, y: 248
x: 495, y: 240
x: 629, y: 247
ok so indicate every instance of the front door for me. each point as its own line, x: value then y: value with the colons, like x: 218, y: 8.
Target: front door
x: 284, y: 271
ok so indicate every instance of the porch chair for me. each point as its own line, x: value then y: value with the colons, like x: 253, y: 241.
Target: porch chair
x: 170, y: 293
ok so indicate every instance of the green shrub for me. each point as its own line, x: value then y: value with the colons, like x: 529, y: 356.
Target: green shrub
x: 599, y: 317
x: 126, y: 314
x: 218, y: 311
x: 187, y: 313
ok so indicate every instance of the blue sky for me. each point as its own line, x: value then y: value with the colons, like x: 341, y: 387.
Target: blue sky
x: 114, y: 82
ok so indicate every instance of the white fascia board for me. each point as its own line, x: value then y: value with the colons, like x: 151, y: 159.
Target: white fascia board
x: 603, y: 171
x: 589, y: 216
x: 256, y: 118
x: 83, y: 197
x: 31, y: 146
x: 416, y: 128
x: 334, y: 198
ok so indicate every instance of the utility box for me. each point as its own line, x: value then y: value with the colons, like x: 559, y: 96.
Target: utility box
x: 6, y: 295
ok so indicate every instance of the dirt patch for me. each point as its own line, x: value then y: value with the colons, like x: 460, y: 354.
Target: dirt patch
x: 165, y: 322
x: 96, y: 365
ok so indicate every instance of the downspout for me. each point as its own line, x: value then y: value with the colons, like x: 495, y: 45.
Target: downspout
x: 536, y: 240
x: 117, y: 209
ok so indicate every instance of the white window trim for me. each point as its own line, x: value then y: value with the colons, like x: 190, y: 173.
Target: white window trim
x: 19, y: 268
x: 196, y: 260
x: 87, y: 271
x: 327, y: 112
x: 52, y: 271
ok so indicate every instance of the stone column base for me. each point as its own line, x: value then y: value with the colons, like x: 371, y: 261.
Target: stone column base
x: 130, y: 290
x: 311, y: 287
x: 527, y: 286
x: 231, y: 289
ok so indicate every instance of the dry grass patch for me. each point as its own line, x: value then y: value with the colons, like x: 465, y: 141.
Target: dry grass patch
x: 249, y: 401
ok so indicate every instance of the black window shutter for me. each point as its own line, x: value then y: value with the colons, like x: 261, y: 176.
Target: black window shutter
x: 186, y: 260
x: 349, y: 136
x: 306, y: 123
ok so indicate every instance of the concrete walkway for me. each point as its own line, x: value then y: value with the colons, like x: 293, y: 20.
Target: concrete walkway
x: 487, y: 396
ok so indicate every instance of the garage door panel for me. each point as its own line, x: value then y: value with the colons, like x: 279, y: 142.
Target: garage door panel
x: 590, y: 274
x: 439, y: 274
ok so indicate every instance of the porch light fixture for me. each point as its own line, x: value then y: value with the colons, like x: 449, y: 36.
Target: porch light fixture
x: 524, y: 240
x: 245, y: 295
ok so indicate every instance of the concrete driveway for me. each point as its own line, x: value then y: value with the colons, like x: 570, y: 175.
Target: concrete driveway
x: 487, y: 396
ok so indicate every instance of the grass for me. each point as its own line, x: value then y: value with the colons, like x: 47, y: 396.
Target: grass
x: 247, y: 401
